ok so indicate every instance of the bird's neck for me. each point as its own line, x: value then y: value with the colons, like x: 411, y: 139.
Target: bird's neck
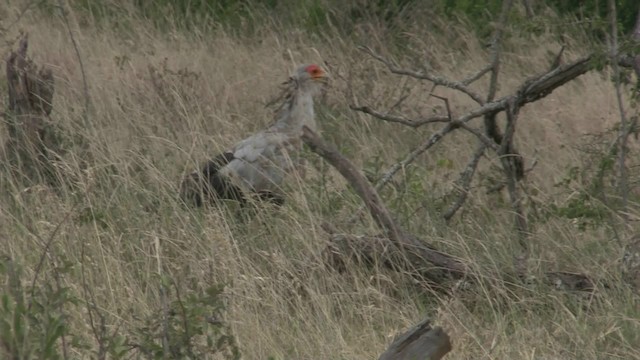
x: 296, y: 112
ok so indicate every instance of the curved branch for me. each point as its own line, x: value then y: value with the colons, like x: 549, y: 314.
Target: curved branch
x: 358, y: 182
x: 407, y: 250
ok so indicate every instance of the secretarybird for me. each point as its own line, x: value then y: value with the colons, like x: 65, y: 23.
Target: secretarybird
x: 258, y: 165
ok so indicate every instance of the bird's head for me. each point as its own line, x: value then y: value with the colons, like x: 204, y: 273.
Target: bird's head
x: 310, y: 76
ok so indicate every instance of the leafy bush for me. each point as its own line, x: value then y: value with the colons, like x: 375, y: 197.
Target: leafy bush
x: 189, y: 328
x: 33, y: 323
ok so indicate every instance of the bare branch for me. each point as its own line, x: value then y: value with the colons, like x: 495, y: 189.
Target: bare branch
x: 512, y: 166
x: 358, y: 182
x: 474, y: 77
x: 401, y: 119
x: 85, y: 85
x: 532, y: 90
x: 463, y: 183
x: 432, y: 140
x: 446, y: 103
x: 543, y: 85
x: 623, y: 133
x: 407, y: 250
x: 490, y: 124
x: 496, y: 48
x: 438, y: 80
x: 47, y: 246
x: 636, y: 37
x: 477, y: 133
x: 558, y: 59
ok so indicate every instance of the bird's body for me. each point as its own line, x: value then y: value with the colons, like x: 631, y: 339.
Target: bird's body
x: 260, y: 163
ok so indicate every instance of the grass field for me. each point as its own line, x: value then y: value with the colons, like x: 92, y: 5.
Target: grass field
x: 160, y: 102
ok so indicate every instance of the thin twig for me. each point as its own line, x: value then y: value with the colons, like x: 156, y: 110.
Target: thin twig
x: 558, y: 59
x: 45, y: 250
x: 510, y: 169
x: 401, y: 119
x: 474, y: 77
x: 439, y: 80
x: 478, y: 134
x: 92, y: 309
x: 490, y: 123
x: 397, y: 104
x: 532, y: 90
x: 85, y: 84
x: 623, y: 133
x: 432, y: 140
x: 446, y: 103
x: 635, y: 62
x: 463, y: 184
x: 496, y: 49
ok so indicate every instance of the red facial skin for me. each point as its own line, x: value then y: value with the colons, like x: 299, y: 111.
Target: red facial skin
x: 315, y: 71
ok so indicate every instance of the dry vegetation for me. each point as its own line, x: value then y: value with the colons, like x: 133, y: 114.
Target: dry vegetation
x: 161, y: 102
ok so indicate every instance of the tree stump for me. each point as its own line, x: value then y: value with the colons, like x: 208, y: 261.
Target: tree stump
x: 30, y: 149
x: 422, y: 342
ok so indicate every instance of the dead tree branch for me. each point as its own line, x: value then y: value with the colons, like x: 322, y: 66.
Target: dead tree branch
x: 437, y: 80
x: 476, y: 76
x: 420, y: 342
x: 32, y: 144
x: 405, y: 252
x: 512, y: 164
x: 624, y: 131
x: 404, y: 249
x: 76, y: 48
x: 635, y: 63
x: 414, y: 123
x: 432, y: 140
x: 532, y: 90
x: 357, y: 181
x: 463, y: 184
x: 491, y: 127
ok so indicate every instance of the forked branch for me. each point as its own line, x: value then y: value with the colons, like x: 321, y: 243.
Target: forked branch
x: 435, y: 79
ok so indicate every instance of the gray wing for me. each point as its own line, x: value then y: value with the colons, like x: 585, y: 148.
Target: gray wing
x: 262, y: 161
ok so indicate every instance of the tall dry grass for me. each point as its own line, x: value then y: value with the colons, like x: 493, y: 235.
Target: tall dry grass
x: 162, y: 101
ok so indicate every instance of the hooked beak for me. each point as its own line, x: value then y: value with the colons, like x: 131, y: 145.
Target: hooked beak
x: 322, y: 77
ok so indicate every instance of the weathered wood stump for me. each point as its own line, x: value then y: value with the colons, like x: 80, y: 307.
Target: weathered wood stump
x: 422, y: 342
x: 31, y: 146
